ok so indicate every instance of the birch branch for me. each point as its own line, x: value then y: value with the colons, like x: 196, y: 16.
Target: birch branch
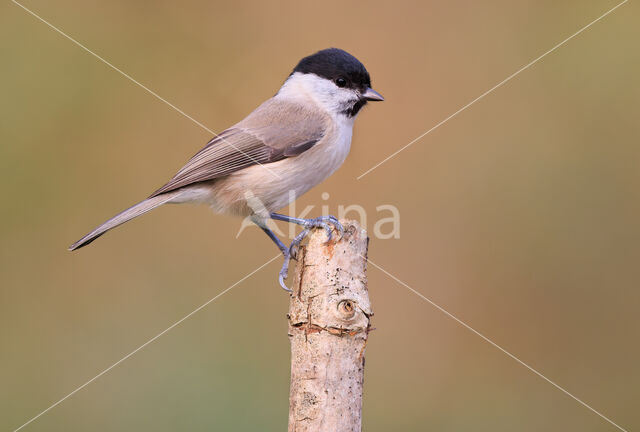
x: 328, y: 328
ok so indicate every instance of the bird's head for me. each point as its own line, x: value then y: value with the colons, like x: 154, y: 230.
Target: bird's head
x: 335, y: 79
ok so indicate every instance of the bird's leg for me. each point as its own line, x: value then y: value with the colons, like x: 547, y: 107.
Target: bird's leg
x: 324, y: 222
x: 287, y: 256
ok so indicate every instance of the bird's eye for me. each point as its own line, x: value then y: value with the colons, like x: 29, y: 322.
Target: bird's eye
x: 341, y: 82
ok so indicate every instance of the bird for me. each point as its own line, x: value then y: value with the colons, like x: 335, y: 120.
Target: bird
x: 286, y: 146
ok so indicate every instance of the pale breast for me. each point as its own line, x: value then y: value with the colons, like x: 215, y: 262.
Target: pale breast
x: 277, y: 184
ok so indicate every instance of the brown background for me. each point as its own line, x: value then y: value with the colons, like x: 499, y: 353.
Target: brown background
x: 520, y: 215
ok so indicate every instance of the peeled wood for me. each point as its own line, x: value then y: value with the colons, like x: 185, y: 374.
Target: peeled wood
x: 329, y: 324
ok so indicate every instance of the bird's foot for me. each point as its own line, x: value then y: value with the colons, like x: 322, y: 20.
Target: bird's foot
x: 325, y: 222
x: 328, y: 223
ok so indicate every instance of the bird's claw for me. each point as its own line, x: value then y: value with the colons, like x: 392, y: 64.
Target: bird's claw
x: 326, y: 223
x: 281, y: 278
x: 284, y: 271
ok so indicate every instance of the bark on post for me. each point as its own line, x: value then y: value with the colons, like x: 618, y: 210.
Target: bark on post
x: 328, y: 329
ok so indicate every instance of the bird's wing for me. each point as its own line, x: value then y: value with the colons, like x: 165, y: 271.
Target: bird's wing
x: 274, y: 131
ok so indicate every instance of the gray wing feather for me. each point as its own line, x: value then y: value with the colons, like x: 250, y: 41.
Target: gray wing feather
x: 274, y: 131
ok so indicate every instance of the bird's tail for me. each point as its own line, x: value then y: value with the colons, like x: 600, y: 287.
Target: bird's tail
x: 125, y: 216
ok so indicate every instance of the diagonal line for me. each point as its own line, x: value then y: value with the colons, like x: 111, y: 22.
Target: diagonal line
x: 130, y: 78
x: 500, y: 84
x: 175, y: 324
x: 486, y: 339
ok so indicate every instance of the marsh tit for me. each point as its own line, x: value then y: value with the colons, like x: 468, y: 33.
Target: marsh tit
x: 289, y: 144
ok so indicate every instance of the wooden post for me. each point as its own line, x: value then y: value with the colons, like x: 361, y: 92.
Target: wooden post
x: 328, y: 329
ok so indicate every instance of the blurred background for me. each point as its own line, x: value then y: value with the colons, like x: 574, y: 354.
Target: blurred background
x: 519, y: 216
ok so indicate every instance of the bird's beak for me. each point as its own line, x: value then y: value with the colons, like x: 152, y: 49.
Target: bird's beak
x: 372, y: 95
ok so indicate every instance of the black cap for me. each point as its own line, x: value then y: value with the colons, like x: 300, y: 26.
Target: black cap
x: 334, y: 63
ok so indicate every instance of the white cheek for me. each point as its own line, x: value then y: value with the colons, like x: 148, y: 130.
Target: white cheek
x: 333, y: 98
x: 326, y: 94
x: 346, y: 95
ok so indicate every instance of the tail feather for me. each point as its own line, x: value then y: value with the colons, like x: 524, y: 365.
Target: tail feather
x: 125, y: 216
